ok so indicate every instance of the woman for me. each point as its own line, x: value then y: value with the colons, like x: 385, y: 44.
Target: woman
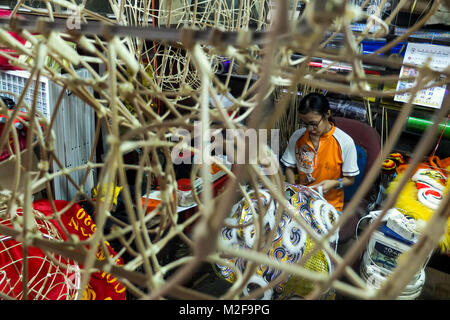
x: 323, y: 155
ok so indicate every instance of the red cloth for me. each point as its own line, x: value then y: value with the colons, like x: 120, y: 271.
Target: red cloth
x: 4, y: 63
x: 102, y: 286
x: 39, y: 270
x: 5, y: 154
x: 45, y: 277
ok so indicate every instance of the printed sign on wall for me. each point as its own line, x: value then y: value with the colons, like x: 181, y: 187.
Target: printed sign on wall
x: 417, y: 54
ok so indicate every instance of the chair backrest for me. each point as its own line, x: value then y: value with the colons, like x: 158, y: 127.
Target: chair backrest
x: 367, y: 141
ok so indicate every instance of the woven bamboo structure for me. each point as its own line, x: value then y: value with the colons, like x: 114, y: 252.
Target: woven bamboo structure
x: 156, y: 59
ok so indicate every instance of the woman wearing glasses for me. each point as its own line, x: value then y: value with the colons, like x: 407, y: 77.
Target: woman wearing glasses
x: 323, y: 155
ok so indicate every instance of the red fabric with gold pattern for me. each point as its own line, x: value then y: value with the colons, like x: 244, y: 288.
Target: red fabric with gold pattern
x: 102, y: 286
x: 46, y: 280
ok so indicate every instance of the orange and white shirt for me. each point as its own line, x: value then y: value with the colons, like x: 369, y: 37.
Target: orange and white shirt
x: 335, y: 157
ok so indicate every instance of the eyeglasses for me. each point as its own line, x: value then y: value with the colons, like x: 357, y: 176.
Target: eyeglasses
x: 313, y: 125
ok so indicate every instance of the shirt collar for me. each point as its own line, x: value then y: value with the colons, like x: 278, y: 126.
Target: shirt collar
x: 329, y: 133
x: 325, y: 135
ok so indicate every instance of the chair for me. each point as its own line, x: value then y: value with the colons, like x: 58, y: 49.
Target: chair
x: 367, y: 141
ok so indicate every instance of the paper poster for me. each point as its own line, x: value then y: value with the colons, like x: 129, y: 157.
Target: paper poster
x: 417, y: 54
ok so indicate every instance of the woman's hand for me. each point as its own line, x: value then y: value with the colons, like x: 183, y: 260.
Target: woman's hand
x: 326, y: 185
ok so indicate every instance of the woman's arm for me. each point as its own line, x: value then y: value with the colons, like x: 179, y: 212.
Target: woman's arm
x: 348, y: 181
x: 290, y: 175
x: 327, y: 185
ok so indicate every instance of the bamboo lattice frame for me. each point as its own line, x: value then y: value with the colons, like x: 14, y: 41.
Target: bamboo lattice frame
x: 185, y: 69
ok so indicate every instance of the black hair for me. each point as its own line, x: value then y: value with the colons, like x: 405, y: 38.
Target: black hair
x: 315, y: 102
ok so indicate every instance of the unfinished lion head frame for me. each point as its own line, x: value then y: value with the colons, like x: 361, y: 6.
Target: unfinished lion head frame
x: 150, y: 72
